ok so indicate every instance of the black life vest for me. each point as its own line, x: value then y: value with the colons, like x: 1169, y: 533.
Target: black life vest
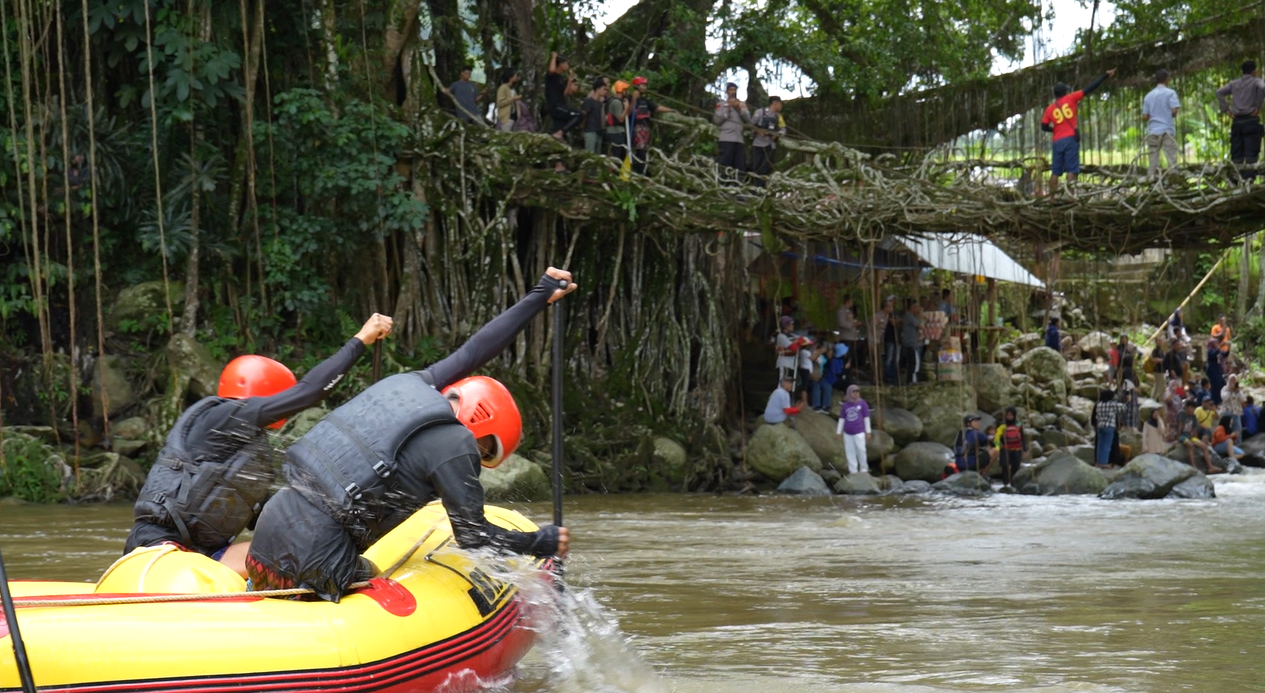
x: 347, y: 461
x: 208, y: 501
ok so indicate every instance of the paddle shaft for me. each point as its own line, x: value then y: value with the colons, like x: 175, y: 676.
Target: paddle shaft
x: 377, y: 360
x: 557, y: 411
x: 19, y: 649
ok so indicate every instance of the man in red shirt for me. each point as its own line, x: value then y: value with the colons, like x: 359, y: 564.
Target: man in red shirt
x: 1060, y: 119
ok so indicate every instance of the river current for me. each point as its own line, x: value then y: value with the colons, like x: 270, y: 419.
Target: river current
x: 694, y: 593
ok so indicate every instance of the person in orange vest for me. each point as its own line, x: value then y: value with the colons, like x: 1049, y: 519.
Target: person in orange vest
x: 1060, y: 119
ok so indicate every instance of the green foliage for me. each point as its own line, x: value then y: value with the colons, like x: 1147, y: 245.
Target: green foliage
x: 880, y: 47
x: 337, y: 170
x: 28, y: 472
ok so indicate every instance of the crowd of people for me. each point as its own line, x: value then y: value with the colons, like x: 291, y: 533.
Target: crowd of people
x: 1240, y: 100
x: 1211, y: 415
x: 617, y: 118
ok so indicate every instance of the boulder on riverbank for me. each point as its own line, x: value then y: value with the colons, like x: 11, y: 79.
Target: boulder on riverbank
x: 994, y: 390
x: 1060, y: 474
x: 860, y: 484
x: 804, y: 482
x: 1196, y: 487
x: 923, y: 461
x: 1148, y: 476
x: 964, y: 484
x: 818, y: 430
x: 900, y: 424
x: 515, y: 479
x: 879, y: 445
x: 777, y: 450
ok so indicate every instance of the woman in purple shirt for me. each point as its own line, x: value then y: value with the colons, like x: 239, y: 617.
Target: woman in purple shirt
x: 854, y: 429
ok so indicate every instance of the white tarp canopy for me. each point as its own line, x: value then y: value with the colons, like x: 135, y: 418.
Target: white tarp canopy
x: 966, y: 253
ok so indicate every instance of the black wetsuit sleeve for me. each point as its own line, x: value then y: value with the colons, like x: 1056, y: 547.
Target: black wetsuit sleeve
x: 492, y: 338
x: 1095, y: 84
x: 313, y: 388
x: 457, y: 483
x: 1047, y: 127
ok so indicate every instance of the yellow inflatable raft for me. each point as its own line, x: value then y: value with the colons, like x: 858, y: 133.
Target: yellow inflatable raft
x: 436, y: 622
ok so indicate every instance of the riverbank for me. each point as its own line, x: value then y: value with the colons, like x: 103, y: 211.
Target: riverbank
x: 610, y: 449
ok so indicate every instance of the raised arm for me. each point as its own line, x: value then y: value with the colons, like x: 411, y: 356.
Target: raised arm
x: 320, y: 381
x: 1221, y: 94
x: 492, y: 338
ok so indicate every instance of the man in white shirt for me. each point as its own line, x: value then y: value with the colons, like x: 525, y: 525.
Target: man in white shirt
x: 776, y: 411
x: 1159, y: 111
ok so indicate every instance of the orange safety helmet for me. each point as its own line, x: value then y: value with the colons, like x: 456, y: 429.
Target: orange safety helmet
x: 487, y: 408
x: 255, y: 376
x: 620, y: 86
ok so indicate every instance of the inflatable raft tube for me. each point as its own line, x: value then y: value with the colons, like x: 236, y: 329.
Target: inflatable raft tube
x: 438, y: 621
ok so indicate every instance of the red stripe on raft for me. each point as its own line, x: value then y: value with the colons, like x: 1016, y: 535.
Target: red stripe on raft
x: 485, y: 651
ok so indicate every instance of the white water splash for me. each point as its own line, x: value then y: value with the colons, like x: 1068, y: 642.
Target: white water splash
x: 579, y: 641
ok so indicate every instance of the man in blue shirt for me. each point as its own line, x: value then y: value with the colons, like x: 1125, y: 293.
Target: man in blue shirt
x: 971, y: 448
x: 1159, y: 109
x: 1251, y: 418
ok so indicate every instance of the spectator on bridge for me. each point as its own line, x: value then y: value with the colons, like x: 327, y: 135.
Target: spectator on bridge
x: 1246, y: 96
x: 1159, y: 112
x: 466, y: 96
x: 731, y: 114
x: 618, y: 110
x: 1060, y: 119
x: 508, y: 101
x: 594, y: 109
x: 559, y: 85
x: 769, y: 128
x: 643, y: 114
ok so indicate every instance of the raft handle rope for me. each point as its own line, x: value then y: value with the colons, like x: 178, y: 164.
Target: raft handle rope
x: 164, y: 598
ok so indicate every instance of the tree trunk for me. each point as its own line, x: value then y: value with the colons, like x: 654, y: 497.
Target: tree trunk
x: 1259, y: 309
x: 446, y: 37
x: 329, y: 37
x: 1245, y: 271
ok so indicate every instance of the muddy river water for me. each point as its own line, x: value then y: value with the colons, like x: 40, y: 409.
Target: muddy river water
x: 902, y: 595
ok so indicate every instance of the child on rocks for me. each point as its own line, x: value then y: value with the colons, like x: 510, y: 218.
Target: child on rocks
x: 854, y: 429
x: 1012, y: 443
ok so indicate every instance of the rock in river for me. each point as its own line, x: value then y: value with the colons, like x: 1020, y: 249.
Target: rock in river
x: 923, y: 461
x: 776, y: 451
x: 804, y: 482
x: 860, y: 484
x: 1148, y: 476
x: 1061, y: 474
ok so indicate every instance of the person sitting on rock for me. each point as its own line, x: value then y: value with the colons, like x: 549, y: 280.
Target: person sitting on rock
x: 1012, y: 443
x: 1191, y: 436
x: 970, y: 450
x: 854, y: 430
x: 1251, y: 418
x: 213, y: 474
x: 779, y: 408
x: 1224, y: 439
x: 1207, y: 415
